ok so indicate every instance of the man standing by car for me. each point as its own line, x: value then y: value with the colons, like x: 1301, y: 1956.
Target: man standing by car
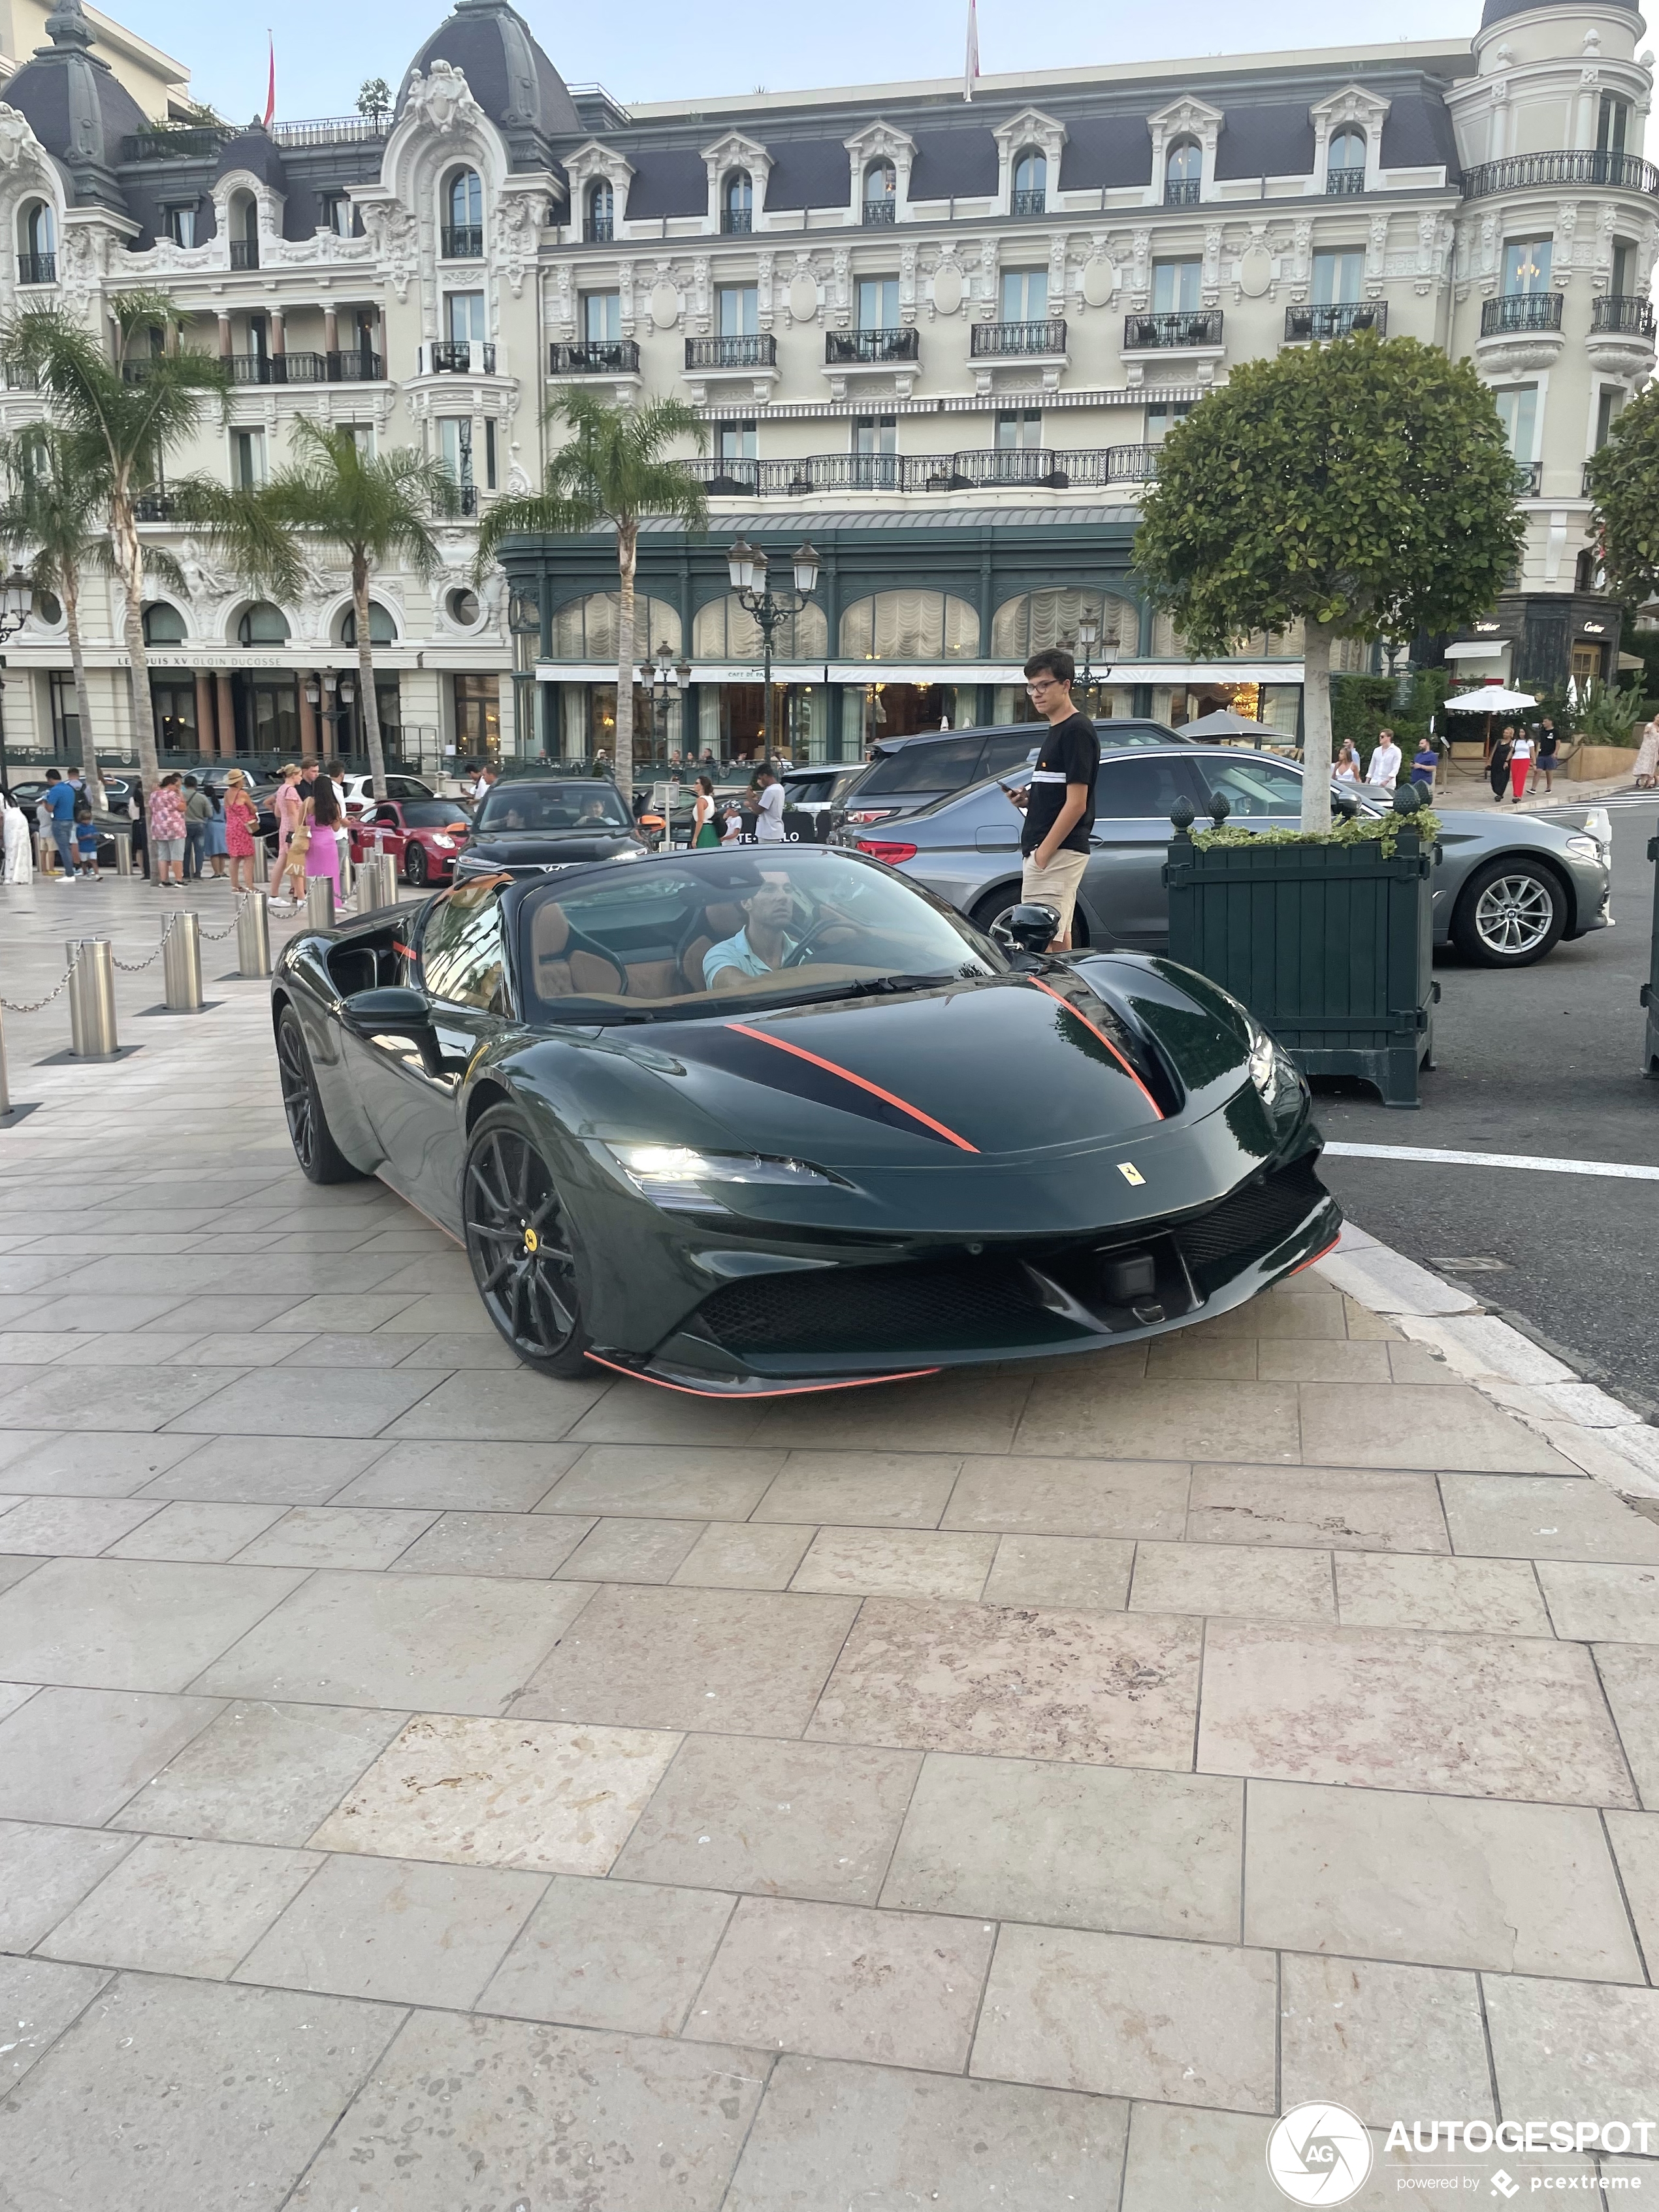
x: 58, y: 800
x: 1382, y: 771
x: 768, y: 807
x: 1059, y: 804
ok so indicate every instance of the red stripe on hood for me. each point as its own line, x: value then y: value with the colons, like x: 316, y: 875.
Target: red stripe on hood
x: 887, y: 1097
x: 1061, y: 1001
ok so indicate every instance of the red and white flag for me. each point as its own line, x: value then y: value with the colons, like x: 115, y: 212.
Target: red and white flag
x: 970, y: 67
x: 271, y: 82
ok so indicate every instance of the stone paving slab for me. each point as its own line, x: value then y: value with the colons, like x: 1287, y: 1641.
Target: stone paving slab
x: 424, y: 1786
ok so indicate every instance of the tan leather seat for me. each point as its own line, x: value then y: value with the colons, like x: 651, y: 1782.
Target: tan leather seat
x: 564, y: 970
x: 717, y: 923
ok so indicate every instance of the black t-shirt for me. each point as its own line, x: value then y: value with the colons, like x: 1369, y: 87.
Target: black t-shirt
x: 1070, y: 753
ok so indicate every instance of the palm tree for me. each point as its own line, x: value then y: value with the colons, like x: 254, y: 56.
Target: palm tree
x: 376, y: 509
x: 55, y: 521
x: 611, y: 470
x: 115, y: 420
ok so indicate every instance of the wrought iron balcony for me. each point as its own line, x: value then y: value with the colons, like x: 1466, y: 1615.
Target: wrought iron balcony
x: 1343, y: 183
x: 1035, y: 203
x: 727, y: 475
x: 737, y: 222
x: 1000, y: 341
x: 1521, y: 311
x: 881, y: 214
x: 842, y: 347
x: 463, y: 241
x: 1339, y: 320
x: 1620, y: 313
x: 459, y: 357
x: 1575, y: 166
x: 153, y: 506
x: 600, y: 230
x: 192, y: 143
x: 1181, y: 191
x: 755, y: 349
x: 37, y: 268
x: 277, y: 367
x: 1528, y: 479
x: 1036, y: 468
x: 1173, y: 332
x: 595, y: 357
x: 359, y: 366
x: 244, y: 253
x: 466, y: 499
x: 334, y: 130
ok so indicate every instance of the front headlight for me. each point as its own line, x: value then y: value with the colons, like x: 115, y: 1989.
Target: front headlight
x: 443, y: 844
x: 1276, y: 1076
x: 1584, y: 848
x: 683, y: 1181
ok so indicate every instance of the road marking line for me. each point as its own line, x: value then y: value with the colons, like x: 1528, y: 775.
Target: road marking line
x: 1493, y: 1160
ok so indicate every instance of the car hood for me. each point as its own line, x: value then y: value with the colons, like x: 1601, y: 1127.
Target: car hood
x: 548, y: 848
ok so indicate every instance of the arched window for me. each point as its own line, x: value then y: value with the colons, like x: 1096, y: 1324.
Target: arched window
x: 1345, y: 169
x: 1031, y: 183
x: 163, y: 625
x: 463, y: 225
x: 1037, y: 619
x: 262, y: 624
x: 586, y: 629
x: 601, y: 225
x: 910, y: 626
x: 725, y: 631
x: 382, y: 630
x: 880, y: 189
x: 737, y: 201
x: 37, y: 259
x: 1183, y: 170
x: 244, y: 213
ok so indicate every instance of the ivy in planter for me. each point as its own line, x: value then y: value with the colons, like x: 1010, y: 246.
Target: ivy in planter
x: 1409, y: 812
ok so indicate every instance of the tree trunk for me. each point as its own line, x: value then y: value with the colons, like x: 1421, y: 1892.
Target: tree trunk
x: 626, y: 554
x: 1316, y: 725
x: 365, y: 678
x: 70, y: 592
x: 129, y: 573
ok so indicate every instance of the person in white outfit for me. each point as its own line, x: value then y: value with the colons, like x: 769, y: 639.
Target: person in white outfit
x: 18, y: 850
x: 1386, y: 761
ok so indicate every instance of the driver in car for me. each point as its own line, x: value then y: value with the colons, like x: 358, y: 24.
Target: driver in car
x: 762, y: 943
x: 594, y: 810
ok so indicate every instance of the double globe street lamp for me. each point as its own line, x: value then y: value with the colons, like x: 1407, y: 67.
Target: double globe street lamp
x: 16, y: 606
x: 747, y: 566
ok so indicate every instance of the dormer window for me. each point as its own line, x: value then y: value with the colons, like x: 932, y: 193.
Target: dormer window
x: 1030, y: 194
x: 1344, y: 170
x: 880, y: 192
x: 737, y: 204
x: 1182, y: 173
x: 463, y: 223
x: 37, y: 261
x: 600, y: 227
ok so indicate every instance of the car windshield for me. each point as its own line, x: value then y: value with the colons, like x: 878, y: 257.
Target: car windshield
x: 434, y: 814
x: 925, y: 765
x: 710, y: 931
x: 574, y: 805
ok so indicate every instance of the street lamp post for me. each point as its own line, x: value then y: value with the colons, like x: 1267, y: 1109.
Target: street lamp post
x: 1088, y: 636
x: 747, y: 565
x: 337, y: 689
x: 16, y: 604
x: 667, y: 679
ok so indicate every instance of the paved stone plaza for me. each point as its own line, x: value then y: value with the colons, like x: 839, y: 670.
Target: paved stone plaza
x: 425, y: 1786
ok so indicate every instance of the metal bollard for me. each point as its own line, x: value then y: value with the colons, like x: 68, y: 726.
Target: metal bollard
x: 377, y: 882
x: 92, y: 998
x: 319, y: 903
x: 348, y: 873
x: 253, y: 935
x: 5, y: 1087
x: 181, y: 964
x: 123, y: 852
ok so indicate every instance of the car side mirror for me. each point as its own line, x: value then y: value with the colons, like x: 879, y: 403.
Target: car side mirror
x: 392, y: 1010
x: 1029, y: 928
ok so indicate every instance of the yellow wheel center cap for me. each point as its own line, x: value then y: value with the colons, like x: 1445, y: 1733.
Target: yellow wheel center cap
x: 531, y: 1241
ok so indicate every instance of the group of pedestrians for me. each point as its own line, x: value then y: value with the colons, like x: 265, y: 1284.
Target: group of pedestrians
x: 311, y: 827
x: 1520, y: 756
x: 1381, y: 773
x: 722, y: 822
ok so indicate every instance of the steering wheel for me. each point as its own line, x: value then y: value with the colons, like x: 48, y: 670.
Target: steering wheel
x: 808, y: 945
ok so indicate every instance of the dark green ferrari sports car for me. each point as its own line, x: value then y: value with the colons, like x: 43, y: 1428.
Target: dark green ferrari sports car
x: 767, y: 1119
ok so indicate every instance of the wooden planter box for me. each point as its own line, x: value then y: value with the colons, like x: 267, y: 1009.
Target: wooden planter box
x: 1593, y: 763
x: 1651, y: 988
x: 1328, y: 945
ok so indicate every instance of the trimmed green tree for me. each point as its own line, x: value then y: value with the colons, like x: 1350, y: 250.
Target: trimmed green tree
x: 610, y: 470
x: 1363, y: 490
x: 1623, y: 479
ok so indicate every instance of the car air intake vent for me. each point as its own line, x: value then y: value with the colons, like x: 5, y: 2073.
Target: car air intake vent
x: 897, y: 1310
x: 1252, y: 1220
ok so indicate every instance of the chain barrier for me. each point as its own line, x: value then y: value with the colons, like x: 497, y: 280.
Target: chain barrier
x: 213, y: 936
x: 34, y: 1005
x: 129, y: 967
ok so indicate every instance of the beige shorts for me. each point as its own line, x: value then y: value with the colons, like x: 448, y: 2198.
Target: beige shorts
x: 1055, y: 885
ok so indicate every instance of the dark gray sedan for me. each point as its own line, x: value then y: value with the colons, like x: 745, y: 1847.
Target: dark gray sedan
x: 1507, y: 889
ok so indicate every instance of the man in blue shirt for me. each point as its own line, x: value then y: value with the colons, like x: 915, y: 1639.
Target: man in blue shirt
x: 760, y: 944
x: 60, y: 802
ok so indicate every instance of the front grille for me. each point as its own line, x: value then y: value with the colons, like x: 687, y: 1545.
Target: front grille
x: 1253, y: 1220
x: 910, y: 1307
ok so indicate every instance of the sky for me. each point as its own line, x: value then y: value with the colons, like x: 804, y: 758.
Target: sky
x: 664, y: 50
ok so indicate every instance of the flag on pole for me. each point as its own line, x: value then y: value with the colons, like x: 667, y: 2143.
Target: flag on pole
x: 271, y: 82
x: 970, y: 67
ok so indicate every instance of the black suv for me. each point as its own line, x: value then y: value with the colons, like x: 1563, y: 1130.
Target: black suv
x: 908, y: 773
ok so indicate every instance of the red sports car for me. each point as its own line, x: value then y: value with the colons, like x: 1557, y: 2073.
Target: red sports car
x: 426, y: 837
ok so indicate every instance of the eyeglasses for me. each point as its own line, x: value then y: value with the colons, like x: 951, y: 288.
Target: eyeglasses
x: 1041, y: 683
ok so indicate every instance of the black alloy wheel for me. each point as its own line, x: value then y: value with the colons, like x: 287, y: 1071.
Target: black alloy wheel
x: 321, y: 1158
x: 1511, y: 913
x: 415, y: 866
x: 522, y: 1246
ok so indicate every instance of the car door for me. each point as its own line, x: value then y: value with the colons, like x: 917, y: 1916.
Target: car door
x: 461, y: 965
x: 380, y: 830
x: 1123, y: 892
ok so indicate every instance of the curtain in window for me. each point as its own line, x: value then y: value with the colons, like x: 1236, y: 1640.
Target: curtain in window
x: 910, y: 626
x: 725, y: 631
x: 1025, y: 625
x: 586, y: 628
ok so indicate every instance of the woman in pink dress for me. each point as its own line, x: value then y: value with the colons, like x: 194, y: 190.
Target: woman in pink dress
x: 241, y: 822
x: 324, y: 814
x: 289, y: 807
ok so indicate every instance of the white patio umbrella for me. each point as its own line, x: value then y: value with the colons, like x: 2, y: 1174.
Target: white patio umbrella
x: 1224, y: 723
x: 1493, y: 699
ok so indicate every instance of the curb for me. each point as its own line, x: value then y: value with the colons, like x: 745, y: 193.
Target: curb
x: 1602, y: 1438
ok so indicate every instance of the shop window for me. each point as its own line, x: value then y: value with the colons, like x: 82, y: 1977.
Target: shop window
x: 587, y: 630
x: 726, y: 630
x: 910, y: 626
x: 477, y: 716
x: 1026, y: 625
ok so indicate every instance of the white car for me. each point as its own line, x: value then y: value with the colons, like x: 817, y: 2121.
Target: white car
x: 355, y: 792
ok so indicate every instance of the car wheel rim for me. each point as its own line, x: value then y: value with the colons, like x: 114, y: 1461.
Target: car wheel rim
x: 1513, y: 915
x: 519, y: 1241
x: 295, y: 1075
